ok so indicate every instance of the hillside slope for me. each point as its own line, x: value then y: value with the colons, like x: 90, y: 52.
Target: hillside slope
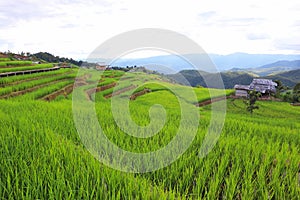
x: 193, y: 78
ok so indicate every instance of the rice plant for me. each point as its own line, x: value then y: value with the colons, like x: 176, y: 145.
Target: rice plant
x: 42, y: 156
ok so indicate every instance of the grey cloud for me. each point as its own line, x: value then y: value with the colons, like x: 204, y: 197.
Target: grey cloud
x: 288, y: 44
x: 103, y: 3
x: 240, y: 21
x: 6, y: 43
x: 296, y: 23
x: 68, y: 26
x: 208, y: 14
x: 257, y: 36
x: 227, y: 22
x: 12, y: 11
x: 282, y: 46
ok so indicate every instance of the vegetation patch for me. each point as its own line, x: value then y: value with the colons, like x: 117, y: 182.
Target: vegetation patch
x: 42, y: 157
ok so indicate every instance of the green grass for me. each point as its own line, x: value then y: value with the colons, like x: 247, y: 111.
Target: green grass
x: 190, y: 95
x: 4, y: 59
x: 33, y: 83
x: 24, y: 68
x: 53, y: 164
x: 113, y: 73
x: 42, y: 157
x: 5, y: 81
x: 7, y: 62
x: 41, y: 92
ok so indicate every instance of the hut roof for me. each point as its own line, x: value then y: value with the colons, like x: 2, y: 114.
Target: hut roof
x: 263, y: 82
x: 260, y: 85
x: 241, y: 87
x: 263, y: 85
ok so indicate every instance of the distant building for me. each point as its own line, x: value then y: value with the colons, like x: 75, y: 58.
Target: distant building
x: 2, y: 55
x: 264, y: 86
x: 102, y: 66
x: 20, y: 57
x: 241, y: 90
x: 64, y: 65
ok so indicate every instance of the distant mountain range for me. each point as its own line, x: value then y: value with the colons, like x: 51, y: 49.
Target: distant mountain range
x: 271, y: 69
x: 237, y: 68
x: 244, y: 60
x: 235, y: 61
x: 193, y: 78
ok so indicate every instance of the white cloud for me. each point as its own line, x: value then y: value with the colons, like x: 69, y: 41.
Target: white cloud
x: 74, y: 28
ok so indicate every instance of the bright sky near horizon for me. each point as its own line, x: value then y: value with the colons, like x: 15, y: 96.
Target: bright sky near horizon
x: 74, y: 28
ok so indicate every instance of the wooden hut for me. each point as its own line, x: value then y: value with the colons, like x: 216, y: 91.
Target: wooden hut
x: 241, y: 90
x: 264, y: 86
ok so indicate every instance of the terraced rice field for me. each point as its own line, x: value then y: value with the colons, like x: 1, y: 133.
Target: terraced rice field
x: 24, y: 68
x: 42, y: 156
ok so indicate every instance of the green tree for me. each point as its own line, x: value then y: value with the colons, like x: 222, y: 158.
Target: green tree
x: 279, y: 85
x: 288, y: 96
x: 296, y: 93
x: 297, y: 89
x: 279, y: 88
x: 253, y: 96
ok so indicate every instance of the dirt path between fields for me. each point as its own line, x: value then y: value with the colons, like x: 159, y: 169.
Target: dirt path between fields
x: 120, y: 91
x: 89, y: 92
x: 210, y: 101
x: 80, y: 81
x: 144, y: 91
x: 64, y: 91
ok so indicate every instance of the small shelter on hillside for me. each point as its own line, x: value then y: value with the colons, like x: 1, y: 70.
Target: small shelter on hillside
x: 102, y: 66
x: 241, y: 90
x: 20, y: 57
x: 64, y: 65
x: 2, y: 55
x: 264, y: 86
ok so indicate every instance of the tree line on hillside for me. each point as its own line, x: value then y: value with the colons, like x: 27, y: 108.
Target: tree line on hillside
x: 284, y: 93
x: 55, y: 59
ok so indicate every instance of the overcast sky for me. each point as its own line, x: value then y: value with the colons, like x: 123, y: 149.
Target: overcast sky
x: 74, y: 28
